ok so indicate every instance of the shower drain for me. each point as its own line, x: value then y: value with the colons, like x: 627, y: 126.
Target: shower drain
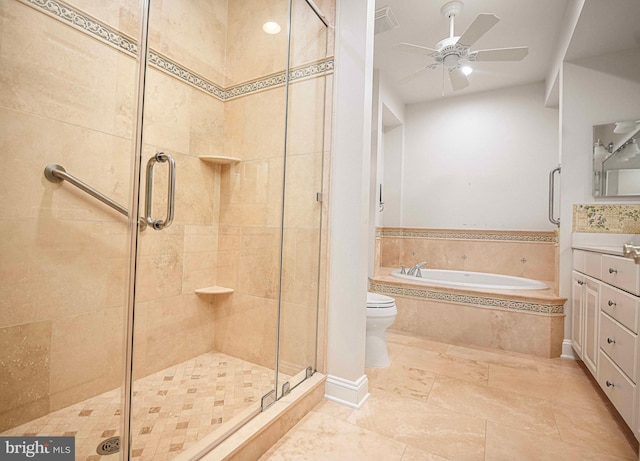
x: 109, y: 446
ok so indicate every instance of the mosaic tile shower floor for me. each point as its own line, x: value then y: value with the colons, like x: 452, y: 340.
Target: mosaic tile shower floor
x: 172, y: 408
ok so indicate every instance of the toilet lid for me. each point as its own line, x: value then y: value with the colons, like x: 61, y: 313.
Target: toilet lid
x: 378, y: 301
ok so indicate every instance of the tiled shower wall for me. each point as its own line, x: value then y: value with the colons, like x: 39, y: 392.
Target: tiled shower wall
x: 517, y: 253
x: 69, y: 99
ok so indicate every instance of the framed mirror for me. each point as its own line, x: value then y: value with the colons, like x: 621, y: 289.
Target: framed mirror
x: 616, y: 159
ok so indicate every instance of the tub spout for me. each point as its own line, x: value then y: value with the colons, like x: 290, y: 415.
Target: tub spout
x: 415, y: 270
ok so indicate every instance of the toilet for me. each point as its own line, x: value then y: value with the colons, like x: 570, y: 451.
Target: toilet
x: 381, y: 312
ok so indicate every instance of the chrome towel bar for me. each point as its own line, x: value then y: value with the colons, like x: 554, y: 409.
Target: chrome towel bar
x: 552, y: 187
x: 57, y: 173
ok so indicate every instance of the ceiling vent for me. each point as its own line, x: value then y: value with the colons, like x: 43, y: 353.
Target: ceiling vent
x: 385, y: 20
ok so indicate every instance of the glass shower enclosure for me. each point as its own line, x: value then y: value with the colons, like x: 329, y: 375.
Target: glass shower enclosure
x: 162, y: 223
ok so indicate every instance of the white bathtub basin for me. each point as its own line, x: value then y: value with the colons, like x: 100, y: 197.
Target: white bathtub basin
x: 471, y: 280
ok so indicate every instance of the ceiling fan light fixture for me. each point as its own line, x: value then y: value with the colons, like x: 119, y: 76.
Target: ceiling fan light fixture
x: 467, y: 70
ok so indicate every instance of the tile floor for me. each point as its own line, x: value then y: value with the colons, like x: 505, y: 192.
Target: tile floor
x: 441, y: 402
x: 172, y: 408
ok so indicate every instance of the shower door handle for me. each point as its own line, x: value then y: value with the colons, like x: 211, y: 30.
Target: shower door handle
x: 160, y: 224
x: 552, y: 188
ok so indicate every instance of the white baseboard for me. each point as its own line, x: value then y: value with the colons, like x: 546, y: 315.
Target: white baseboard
x: 567, y: 350
x: 350, y: 393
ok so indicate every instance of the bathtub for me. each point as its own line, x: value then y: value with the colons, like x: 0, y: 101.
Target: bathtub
x: 480, y: 309
x: 466, y: 279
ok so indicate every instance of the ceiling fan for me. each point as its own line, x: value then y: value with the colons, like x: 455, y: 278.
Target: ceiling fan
x: 453, y: 52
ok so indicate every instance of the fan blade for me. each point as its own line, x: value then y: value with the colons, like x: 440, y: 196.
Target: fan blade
x: 411, y: 48
x: 480, y: 26
x: 501, y: 54
x: 458, y: 79
x: 414, y: 74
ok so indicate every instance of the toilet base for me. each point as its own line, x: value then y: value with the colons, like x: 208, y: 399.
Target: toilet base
x: 376, y: 354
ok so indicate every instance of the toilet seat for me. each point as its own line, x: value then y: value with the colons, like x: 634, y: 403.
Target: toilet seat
x: 378, y: 301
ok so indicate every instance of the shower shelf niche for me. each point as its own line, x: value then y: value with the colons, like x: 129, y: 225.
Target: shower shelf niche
x: 214, y: 290
x: 219, y: 159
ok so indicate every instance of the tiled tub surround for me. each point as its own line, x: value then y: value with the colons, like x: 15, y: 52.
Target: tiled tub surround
x: 531, y: 322
x: 57, y: 240
x: 526, y: 254
x: 522, y: 321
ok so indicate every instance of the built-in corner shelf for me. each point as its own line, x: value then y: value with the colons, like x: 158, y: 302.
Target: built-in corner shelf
x: 214, y: 290
x: 219, y: 159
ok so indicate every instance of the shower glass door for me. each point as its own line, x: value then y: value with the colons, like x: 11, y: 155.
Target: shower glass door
x: 302, y: 206
x: 68, y: 73
x: 206, y: 303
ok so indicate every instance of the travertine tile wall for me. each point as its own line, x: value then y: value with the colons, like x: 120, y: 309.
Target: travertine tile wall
x: 65, y: 98
x: 517, y: 253
x: 70, y: 100
x: 251, y: 207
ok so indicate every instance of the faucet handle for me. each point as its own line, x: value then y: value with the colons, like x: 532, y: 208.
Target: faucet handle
x: 402, y: 269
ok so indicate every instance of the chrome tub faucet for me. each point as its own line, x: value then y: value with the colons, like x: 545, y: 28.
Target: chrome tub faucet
x: 415, y: 270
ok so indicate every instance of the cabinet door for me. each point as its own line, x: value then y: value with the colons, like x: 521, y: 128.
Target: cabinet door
x: 591, y: 317
x: 577, y: 312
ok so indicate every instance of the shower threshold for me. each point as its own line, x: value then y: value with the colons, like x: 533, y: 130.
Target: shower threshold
x: 172, y: 409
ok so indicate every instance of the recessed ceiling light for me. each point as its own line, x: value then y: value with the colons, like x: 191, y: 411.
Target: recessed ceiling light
x: 271, y: 27
x: 466, y: 70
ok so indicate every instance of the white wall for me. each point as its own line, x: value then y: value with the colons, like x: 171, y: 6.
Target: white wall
x: 596, y: 91
x: 480, y: 161
x: 349, y: 202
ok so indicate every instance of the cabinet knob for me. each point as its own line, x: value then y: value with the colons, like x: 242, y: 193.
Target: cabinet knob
x: 609, y: 384
x: 611, y: 341
x: 580, y: 282
x: 611, y: 304
x: 613, y: 271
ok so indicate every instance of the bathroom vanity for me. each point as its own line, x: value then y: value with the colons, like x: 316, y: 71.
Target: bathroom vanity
x: 605, y: 317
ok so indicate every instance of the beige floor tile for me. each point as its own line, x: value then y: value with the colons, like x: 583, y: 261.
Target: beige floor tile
x: 440, y: 364
x: 492, y: 357
x: 509, y: 444
x: 334, y: 409
x: 436, y: 430
x: 498, y: 405
x: 414, y: 454
x: 601, y: 429
x: 402, y: 379
x: 571, y: 389
x: 416, y: 341
x: 322, y: 437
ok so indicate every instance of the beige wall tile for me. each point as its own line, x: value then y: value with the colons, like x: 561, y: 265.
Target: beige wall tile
x: 24, y: 361
x: 305, y: 116
x: 172, y: 330
x: 69, y: 76
x: 303, y: 176
x: 308, y: 35
x: 87, y: 355
x: 122, y: 15
x: 297, y: 336
x: 251, y: 53
x: 192, y: 33
x: 46, y: 266
x: 246, y: 328
x: 100, y: 160
x: 254, y: 125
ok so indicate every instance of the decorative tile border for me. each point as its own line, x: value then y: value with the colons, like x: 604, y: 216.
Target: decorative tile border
x: 85, y: 23
x: 607, y: 219
x: 523, y: 236
x: 488, y: 301
x: 98, y: 30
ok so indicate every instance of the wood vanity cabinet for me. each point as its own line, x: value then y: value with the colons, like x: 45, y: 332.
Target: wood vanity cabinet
x: 604, y: 332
